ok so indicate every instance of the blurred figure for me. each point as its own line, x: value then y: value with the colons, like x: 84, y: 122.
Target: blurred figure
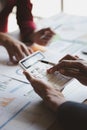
x: 25, y: 22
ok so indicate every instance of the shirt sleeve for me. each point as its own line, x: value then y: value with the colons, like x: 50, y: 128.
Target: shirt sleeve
x: 25, y: 19
x: 73, y: 116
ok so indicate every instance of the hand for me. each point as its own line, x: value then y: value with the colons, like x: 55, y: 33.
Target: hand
x: 16, y: 49
x: 72, y: 67
x: 57, y: 66
x: 43, y: 36
x: 51, y: 96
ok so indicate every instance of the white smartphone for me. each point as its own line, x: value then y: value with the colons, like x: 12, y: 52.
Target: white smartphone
x: 37, y: 66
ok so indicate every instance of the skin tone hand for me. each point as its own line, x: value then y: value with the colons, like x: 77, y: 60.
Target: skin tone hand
x: 16, y: 49
x: 72, y: 67
x: 43, y: 36
x: 51, y: 96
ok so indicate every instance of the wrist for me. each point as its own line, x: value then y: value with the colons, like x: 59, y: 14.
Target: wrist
x: 28, y: 39
x: 4, y: 39
x: 28, y: 42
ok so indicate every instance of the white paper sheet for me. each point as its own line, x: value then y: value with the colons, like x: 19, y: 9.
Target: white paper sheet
x: 21, y: 108
x: 75, y: 91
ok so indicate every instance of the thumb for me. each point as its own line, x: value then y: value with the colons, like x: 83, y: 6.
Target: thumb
x: 28, y: 76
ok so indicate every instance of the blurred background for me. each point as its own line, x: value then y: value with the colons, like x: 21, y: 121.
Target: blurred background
x: 47, y: 8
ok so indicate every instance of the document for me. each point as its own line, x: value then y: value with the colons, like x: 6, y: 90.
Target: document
x: 21, y: 108
x: 68, y: 27
x: 75, y: 91
x: 58, y: 49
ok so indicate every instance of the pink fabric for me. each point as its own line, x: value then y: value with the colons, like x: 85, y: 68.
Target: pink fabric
x: 23, y: 15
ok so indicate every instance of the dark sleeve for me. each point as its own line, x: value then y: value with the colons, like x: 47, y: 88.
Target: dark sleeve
x: 4, y: 15
x: 25, y: 19
x: 73, y: 116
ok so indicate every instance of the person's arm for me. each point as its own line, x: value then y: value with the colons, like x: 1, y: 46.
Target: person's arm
x: 27, y: 26
x: 25, y: 19
x: 72, y: 116
x: 16, y: 49
x: 72, y: 67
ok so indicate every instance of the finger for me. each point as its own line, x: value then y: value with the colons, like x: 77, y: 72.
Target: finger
x: 70, y: 73
x: 65, y: 64
x: 18, y: 57
x: 30, y: 50
x: 28, y: 76
x: 34, y: 82
x: 71, y: 64
x: 13, y: 60
x: 38, y: 85
x: 25, y: 50
x: 53, y: 69
x: 43, y: 42
x: 77, y: 56
x: 68, y: 57
x: 46, y: 31
x: 19, y: 54
x: 47, y: 37
x: 11, y: 57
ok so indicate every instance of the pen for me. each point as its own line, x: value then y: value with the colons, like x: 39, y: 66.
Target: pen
x: 47, y: 62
